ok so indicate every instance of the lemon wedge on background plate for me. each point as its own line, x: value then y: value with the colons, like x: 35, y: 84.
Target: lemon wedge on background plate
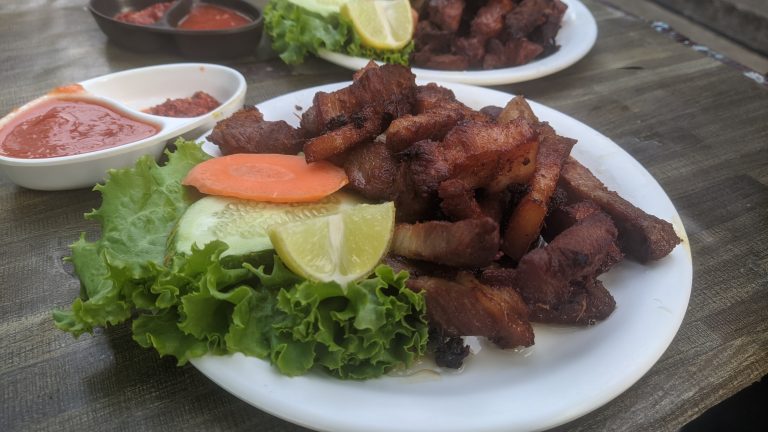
x: 340, y: 247
x: 381, y: 24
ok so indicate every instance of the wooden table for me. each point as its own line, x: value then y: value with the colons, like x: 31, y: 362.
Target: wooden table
x: 698, y: 125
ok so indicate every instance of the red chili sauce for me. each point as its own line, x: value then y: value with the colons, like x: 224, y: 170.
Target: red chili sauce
x: 210, y: 17
x: 64, y: 127
x: 148, y: 15
x: 200, y: 103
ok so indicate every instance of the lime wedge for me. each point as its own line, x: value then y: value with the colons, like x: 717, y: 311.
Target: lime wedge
x: 381, y: 24
x: 341, y: 247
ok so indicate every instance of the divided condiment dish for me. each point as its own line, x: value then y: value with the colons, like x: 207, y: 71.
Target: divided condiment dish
x: 128, y: 93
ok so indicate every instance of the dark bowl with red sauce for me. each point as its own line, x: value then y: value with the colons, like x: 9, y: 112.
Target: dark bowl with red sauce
x: 180, y: 26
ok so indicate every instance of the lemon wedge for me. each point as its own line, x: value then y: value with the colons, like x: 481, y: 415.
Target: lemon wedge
x: 340, y: 247
x: 381, y: 24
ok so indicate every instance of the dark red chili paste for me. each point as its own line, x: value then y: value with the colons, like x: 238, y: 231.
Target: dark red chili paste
x: 210, y: 17
x: 200, y: 103
x: 64, y: 127
x: 148, y: 15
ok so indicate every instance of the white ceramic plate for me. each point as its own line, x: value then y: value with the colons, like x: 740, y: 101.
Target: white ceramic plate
x: 576, y: 37
x: 567, y: 373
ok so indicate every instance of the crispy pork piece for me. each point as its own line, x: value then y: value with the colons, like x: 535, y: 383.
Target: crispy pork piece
x: 588, y: 302
x: 544, y: 275
x: 528, y: 15
x: 472, y: 48
x: 517, y: 107
x: 492, y: 111
x: 390, y: 89
x: 371, y: 169
x: 498, y: 277
x: 431, y: 97
x: 363, y: 126
x: 457, y: 200
x: 528, y: 216
x: 418, y: 268
x: 360, y: 72
x: 642, y: 236
x: 544, y: 34
x: 479, y: 154
x: 412, y: 203
x: 494, y: 204
x: 467, y: 243
x: 247, y: 132
x: 432, y: 125
x: 431, y: 60
x: 427, y: 37
x: 565, y: 215
x: 510, y: 53
x: 489, y: 20
x: 466, y: 307
x: 433, y: 120
x: 446, y: 14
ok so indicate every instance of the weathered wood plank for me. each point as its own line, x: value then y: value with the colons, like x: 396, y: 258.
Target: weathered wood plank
x: 697, y: 125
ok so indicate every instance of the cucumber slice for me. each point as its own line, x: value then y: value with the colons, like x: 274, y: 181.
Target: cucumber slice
x: 243, y: 224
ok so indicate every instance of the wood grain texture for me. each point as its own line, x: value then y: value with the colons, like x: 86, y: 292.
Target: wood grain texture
x: 697, y: 125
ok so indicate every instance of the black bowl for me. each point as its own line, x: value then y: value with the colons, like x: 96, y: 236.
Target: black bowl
x: 165, y: 36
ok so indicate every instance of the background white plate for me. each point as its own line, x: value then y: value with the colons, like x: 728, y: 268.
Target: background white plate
x: 576, y: 37
x: 567, y: 373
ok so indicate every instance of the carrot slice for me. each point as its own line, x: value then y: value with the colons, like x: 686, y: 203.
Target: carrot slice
x: 266, y: 177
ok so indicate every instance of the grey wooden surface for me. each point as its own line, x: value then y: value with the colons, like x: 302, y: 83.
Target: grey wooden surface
x: 699, y: 126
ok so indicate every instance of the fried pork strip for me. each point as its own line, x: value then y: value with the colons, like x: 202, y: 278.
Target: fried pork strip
x: 432, y: 125
x: 528, y: 217
x: 524, y: 18
x: 544, y: 275
x: 446, y: 14
x: 246, y: 131
x: 371, y: 169
x: 467, y: 243
x: 389, y: 88
x: 363, y: 126
x: 489, y: 20
x: 588, y: 302
x: 642, y: 236
x: 563, y: 216
x: 467, y: 307
x: 479, y: 154
x: 437, y: 112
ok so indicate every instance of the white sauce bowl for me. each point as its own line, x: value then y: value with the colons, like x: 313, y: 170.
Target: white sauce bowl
x: 130, y: 92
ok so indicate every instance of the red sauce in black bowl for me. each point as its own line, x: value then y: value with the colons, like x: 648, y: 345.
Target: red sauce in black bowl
x: 211, y: 17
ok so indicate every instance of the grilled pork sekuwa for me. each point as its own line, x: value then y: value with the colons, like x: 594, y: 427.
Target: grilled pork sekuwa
x: 497, y: 224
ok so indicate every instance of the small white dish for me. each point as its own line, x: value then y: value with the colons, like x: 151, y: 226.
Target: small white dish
x: 129, y: 92
x: 576, y: 38
x: 569, y: 372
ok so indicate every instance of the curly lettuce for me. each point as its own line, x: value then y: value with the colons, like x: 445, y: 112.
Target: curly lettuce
x: 189, y: 305
x: 297, y: 32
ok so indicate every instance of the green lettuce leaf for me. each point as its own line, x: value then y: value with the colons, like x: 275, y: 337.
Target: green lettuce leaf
x: 296, y: 32
x: 139, y: 207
